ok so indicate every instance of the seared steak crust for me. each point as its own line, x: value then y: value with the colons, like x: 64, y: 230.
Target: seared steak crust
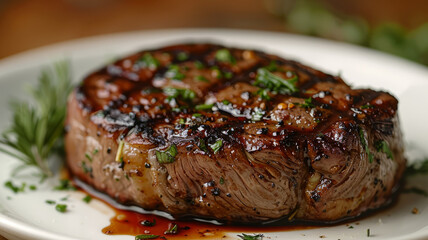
x: 189, y: 130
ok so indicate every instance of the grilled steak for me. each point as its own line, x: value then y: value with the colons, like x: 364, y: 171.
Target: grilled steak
x: 235, y: 135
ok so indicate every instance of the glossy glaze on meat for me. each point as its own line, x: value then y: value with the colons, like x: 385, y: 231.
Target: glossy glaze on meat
x: 324, y: 152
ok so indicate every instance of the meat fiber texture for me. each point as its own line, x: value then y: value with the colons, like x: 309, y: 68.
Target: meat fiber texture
x: 235, y: 135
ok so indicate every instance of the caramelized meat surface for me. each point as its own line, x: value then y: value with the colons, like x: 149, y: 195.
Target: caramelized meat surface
x: 234, y: 135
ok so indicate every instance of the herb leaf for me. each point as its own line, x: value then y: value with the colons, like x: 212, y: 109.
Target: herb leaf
x: 147, y: 223
x: 36, y: 130
x: 167, y: 156
x: 273, y: 67
x: 224, y: 55
x: 87, y: 199
x: 174, y: 73
x: 201, y: 144
x: 146, y: 236
x: 216, y: 146
x: 198, y: 65
x: 382, y: 146
x: 174, y: 93
x: 308, y: 103
x: 221, y: 180
x: 172, y: 229
x: 204, y: 106
x: 61, y: 208
x: 365, y: 144
x: 228, y: 75
x: 263, y: 93
x: 270, y: 81
x: 251, y: 237
x: 149, y: 61
x: 182, y: 56
x: 201, y: 78
x: 64, y: 185
x: 14, y: 188
x: 257, y: 115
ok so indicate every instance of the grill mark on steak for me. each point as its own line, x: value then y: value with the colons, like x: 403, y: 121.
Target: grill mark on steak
x: 314, y: 159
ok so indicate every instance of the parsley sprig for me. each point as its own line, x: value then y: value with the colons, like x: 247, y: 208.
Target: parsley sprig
x: 36, y: 130
x: 274, y: 83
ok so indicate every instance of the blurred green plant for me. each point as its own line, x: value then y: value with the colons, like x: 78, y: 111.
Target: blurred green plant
x: 311, y: 17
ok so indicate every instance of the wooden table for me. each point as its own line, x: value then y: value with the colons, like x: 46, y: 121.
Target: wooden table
x: 26, y: 24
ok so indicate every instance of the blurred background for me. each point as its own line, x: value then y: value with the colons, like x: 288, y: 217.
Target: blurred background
x: 397, y: 27
x: 394, y: 26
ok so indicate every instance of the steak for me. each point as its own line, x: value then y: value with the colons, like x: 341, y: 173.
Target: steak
x: 235, y: 135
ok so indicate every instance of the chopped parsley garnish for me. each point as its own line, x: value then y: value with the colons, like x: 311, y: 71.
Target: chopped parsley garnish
x: 224, y: 55
x: 251, y: 237
x: 198, y: 65
x: 87, y: 199
x: 64, y: 185
x: 308, y: 103
x: 202, y: 145
x: 257, y: 115
x: 95, y: 151
x: 228, y: 75
x: 204, y: 106
x: 267, y: 80
x: 167, y: 156
x: 65, y: 198
x: 14, y: 188
x: 174, y: 72
x: 366, y: 106
x: 197, y: 115
x: 88, y: 157
x: 382, y: 146
x: 147, y: 223
x: 173, y: 229
x: 225, y: 102
x: 272, y: 67
x: 368, y: 232
x: 182, y: 56
x: 217, y: 72
x: 179, y: 109
x: 365, y: 144
x: 216, y: 146
x: 263, y: 93
x: 201, y: 78
x: 146, y: 236
x: 86, y: 168
x: 149, y: 61
x: 182, y: 121
x: 61, y: 208
x: 33, y: 187
x: 221, y: 180
x: 174, y: 93
x: 51, y: 202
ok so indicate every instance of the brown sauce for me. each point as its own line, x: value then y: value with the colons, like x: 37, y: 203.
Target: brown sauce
x: 127, y: 222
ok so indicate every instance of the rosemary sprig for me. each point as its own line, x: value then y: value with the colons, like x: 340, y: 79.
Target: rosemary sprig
x: 38, y: 126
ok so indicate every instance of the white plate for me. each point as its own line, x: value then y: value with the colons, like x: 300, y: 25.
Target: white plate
x: 27, y: 216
